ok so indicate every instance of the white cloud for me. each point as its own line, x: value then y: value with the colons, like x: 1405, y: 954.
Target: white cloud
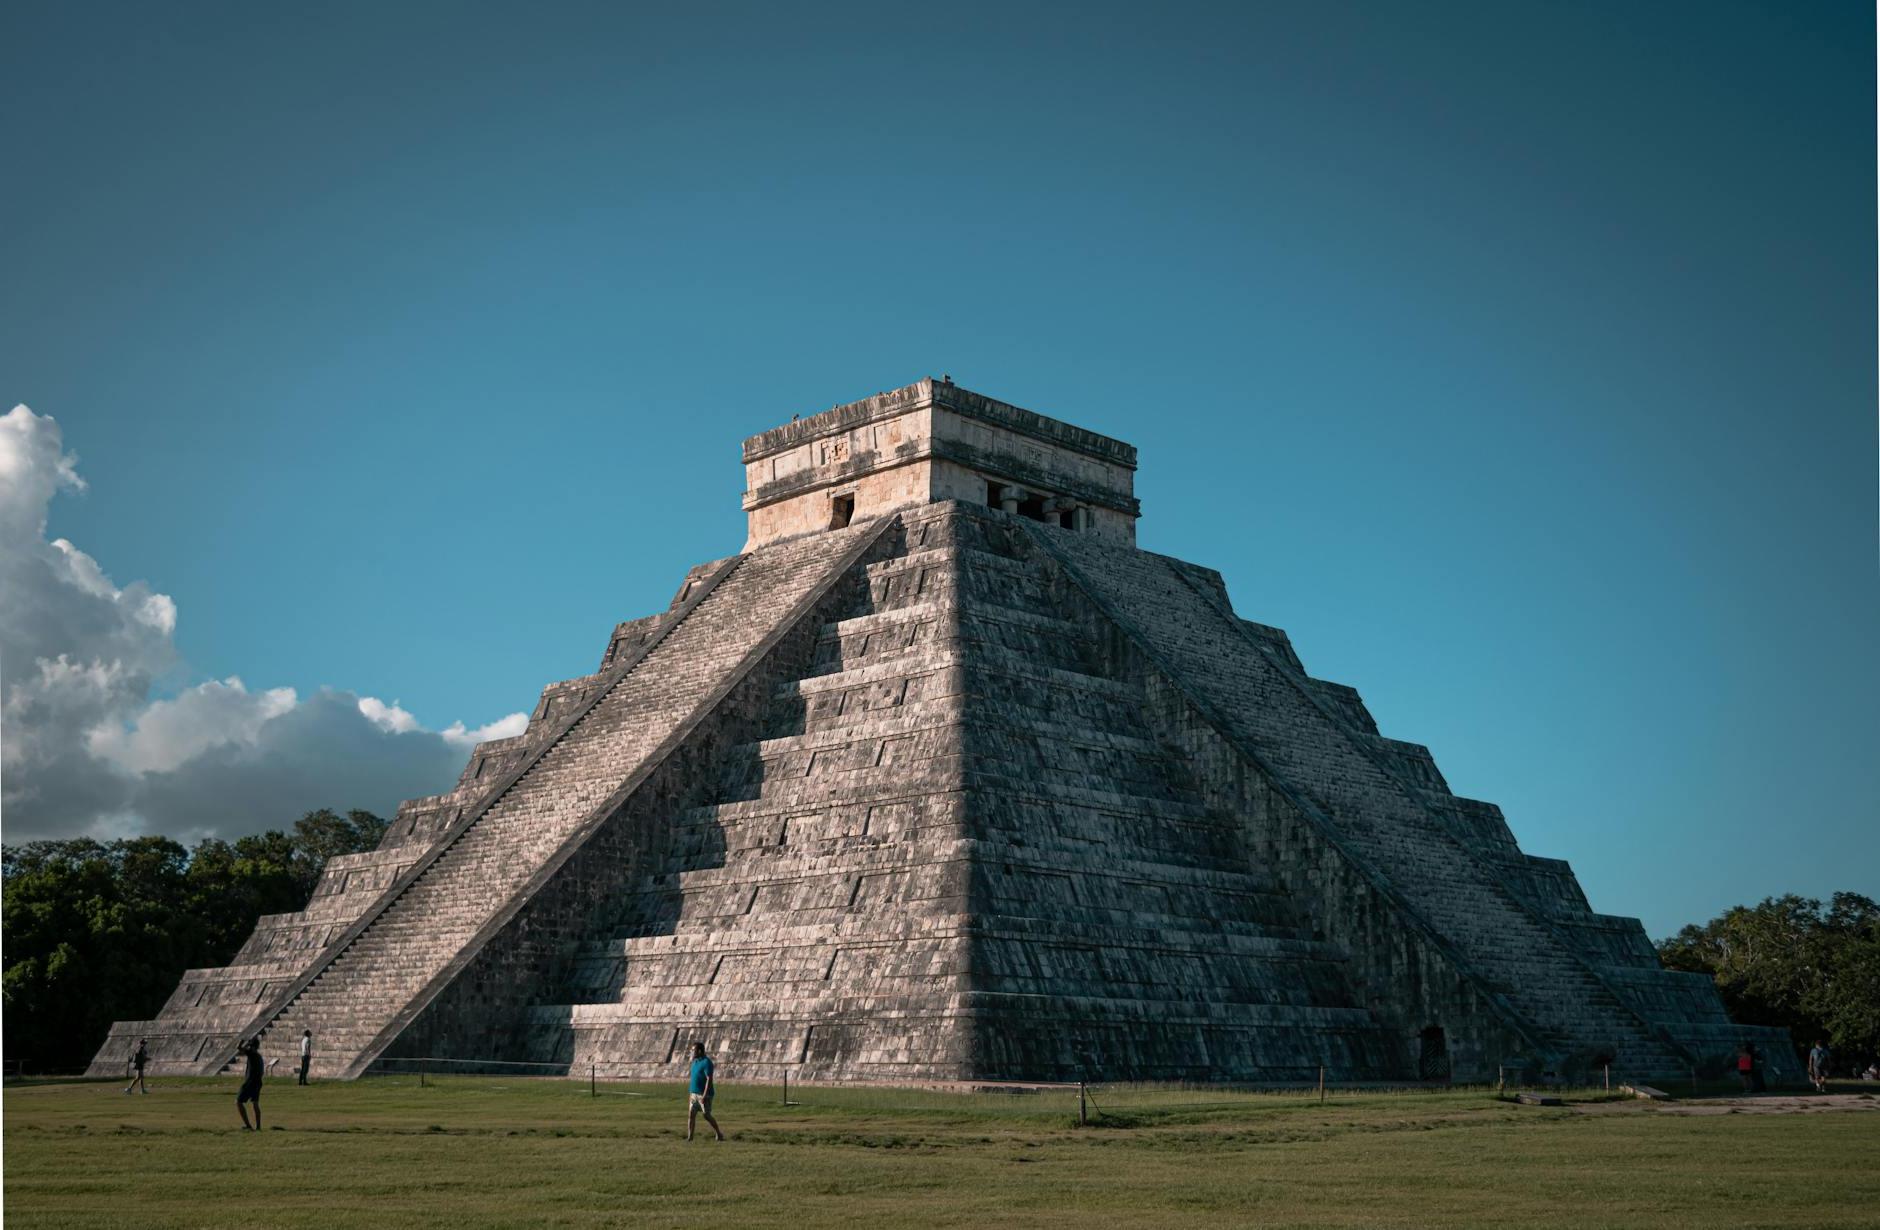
x: 94, y: 679
x: 34, y: 466
x: 91, y: 746
x: 75, y: 650
x: 391, y: 719
x: 83, y: 571
x: 323, y: 752
x: 502, y: 728
x: 159, y: 612
x: 397, y: 720
x: 168, y: 732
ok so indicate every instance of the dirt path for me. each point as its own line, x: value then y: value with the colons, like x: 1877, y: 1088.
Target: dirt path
x: 1766, y: 1104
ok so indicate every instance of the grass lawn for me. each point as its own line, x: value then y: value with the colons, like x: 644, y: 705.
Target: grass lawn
x: 475, y: 1151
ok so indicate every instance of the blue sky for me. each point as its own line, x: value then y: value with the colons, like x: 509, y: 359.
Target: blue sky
x: 1517, y: 358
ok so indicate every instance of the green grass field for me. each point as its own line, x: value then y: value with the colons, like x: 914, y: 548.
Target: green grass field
x: 481, y: 1151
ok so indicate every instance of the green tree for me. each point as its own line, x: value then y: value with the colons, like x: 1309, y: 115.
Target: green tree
x: 322, y: 834
x: 1848, y: 999
x: 1791, y: 963
x: 102, y: 931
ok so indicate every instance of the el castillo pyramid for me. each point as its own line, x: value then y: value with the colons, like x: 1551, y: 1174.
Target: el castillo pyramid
x: 942, y: 778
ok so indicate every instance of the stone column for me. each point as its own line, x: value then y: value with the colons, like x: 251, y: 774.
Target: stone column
x: 1010, y: 497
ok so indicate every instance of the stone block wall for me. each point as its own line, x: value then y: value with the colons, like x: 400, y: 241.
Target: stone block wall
x: 1376, y: 806
x: 952, y: 856
x: 1407, y: 981
x: 533, y: 952
x: 925, y: 444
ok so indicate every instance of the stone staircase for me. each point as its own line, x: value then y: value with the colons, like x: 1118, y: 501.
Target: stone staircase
x: 813, y: 914
x: 383, y: 970
x: 956, y: 856
x: 1255, y: 698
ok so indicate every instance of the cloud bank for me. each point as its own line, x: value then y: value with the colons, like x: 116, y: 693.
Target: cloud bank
x: 89, y: 745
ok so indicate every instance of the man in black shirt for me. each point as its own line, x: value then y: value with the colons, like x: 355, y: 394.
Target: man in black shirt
x: 138, y: 1059
x: 251, y: 1084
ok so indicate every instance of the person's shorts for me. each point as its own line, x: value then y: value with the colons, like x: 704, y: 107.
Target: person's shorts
x: 703, y: 1101
x: 249, y: 1093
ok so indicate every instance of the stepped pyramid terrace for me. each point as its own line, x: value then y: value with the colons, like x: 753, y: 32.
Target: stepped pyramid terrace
x: 942, y: 778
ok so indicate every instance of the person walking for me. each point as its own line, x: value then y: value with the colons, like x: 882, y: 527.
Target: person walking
x: 1746, y: 1068
x: 139, y: 1058
x: 306, y: 1053
x: 1818, y: 1066
x: 704, y: 1085
x: 251, y: 1084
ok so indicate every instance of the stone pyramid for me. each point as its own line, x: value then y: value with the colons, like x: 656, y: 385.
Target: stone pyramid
x: 943, y: 779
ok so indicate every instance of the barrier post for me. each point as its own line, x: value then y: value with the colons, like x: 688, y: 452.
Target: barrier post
x: 1321, y: 1084
x: 1083, y: 1109
x: 1501, y: 1079
x: 1608, y: 1078
x: 421, y: 1074
x: 786, y: 1086
x: 591, y: 1092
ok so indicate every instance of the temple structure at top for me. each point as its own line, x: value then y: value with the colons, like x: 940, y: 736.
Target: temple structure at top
x: 929, y: 442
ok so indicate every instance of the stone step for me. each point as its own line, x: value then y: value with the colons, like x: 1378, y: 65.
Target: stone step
x: 1259, y: 702
x: 411, y: 940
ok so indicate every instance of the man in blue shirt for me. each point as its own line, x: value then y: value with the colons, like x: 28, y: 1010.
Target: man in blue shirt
x: 1818, y: 1066
x: 703, y: 1087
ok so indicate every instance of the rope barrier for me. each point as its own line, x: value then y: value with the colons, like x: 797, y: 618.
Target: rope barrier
x: 778, y: 1083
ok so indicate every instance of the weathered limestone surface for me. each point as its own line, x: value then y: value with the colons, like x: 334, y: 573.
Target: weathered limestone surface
x: 930, y: 442
x: 955, y: 852
x: 1428, y: 891
x: 944, y: 780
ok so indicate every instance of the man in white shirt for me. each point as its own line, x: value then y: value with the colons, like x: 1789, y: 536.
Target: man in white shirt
x: 306, y: 1053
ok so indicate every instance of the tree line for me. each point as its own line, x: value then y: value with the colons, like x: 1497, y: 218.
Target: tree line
x: 1793, y: 962
x: 97, y: 932
x: 101, y: 931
